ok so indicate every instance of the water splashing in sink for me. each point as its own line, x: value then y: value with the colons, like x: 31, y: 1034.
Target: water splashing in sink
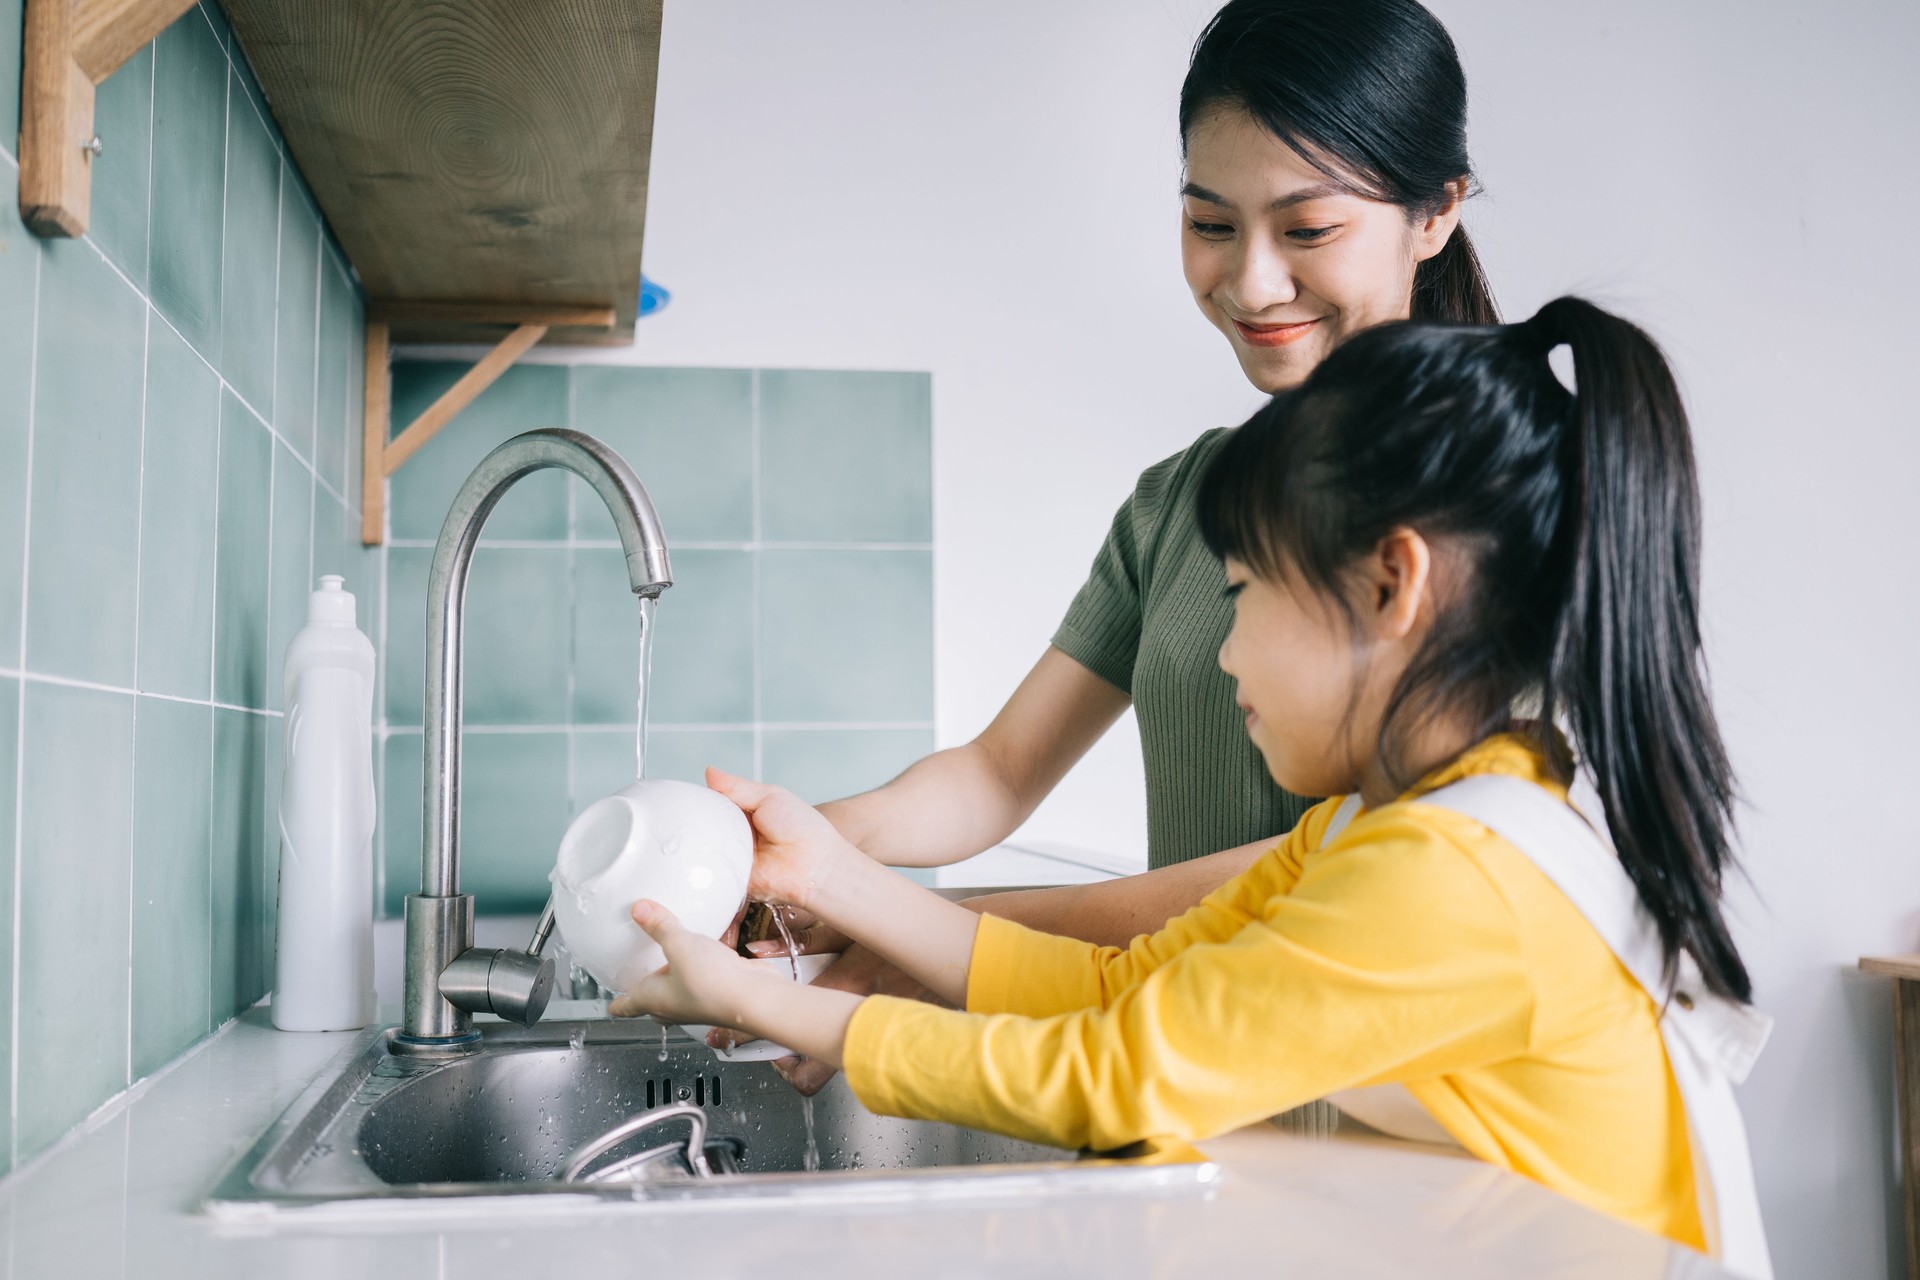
x: 811, y: 1161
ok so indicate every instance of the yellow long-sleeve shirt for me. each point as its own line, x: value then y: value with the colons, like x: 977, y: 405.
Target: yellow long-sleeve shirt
x: 1417, y: 947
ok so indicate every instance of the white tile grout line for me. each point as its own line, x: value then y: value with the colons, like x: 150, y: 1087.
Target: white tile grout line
x: 69, y: 682
x: 139, y: 548
x: 613, y: 544
x: 742, y: 726
x: 573, y: 605
x: 753, y: 454
x: 20, y: 731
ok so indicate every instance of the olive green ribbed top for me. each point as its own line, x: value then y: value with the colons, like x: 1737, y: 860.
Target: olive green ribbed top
x: 1151, y: 621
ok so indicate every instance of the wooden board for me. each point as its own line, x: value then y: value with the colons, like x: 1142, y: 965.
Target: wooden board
x: 1892, y: 966
x: 471, y: 151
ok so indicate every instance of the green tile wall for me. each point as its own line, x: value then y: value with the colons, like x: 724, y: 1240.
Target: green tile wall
x: 795, y: 645
x: 179, y: 452
x: 175, y: 443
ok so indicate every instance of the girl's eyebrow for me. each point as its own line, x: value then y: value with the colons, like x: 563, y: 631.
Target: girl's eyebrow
x: 1318, y: 191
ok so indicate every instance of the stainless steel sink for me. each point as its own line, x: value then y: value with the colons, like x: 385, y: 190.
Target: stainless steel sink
x: 379, y: 1128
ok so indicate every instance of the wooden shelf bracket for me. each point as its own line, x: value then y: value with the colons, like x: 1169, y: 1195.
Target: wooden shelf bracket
x: 68, y: 47
x: 382, y: 451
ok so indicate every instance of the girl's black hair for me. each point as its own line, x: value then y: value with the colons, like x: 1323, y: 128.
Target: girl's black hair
x: 1371, y: 93
x: 1574, y: 517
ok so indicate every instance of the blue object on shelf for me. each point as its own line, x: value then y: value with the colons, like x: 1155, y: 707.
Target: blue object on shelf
x: 652, y: 297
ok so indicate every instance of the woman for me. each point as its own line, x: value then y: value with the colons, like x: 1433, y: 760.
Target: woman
x: 1326, y: 164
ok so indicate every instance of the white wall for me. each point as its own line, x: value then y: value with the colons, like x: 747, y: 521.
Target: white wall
x: 985, y: 190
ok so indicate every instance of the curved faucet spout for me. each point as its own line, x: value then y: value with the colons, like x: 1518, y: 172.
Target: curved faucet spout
x: 440, y: 917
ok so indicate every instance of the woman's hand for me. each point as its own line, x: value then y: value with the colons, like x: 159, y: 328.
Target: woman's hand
x: 702, y: 981
x: 795, y: 849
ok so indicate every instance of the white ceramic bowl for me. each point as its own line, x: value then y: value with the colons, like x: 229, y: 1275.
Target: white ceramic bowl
x: 687, y: 848
x: 810, y: 968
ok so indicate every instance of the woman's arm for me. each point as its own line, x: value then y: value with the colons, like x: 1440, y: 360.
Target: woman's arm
x: 957, y: 802
x: 1111, y: 913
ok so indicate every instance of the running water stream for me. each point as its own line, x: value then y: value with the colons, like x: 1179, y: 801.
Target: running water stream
x: 811, y: 1159
x: 779, y: 915
x: 647, y: 606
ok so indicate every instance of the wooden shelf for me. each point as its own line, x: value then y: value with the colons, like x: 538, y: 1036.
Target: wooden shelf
x: 483, y: 162
x: 1892, y: 966
x: 68, y: 47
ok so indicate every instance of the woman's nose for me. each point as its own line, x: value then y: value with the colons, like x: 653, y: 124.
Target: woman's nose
x: 1261, y: 279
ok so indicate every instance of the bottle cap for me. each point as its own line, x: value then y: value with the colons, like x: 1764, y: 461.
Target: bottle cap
x: 330, y: 605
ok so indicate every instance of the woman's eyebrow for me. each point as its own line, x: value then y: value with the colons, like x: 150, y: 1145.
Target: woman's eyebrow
x: 1318, y: 191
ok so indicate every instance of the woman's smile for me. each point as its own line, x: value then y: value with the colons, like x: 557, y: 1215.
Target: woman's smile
x: 1273, y: 335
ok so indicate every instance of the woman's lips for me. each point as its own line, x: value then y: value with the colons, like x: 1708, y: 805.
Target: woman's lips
x: 1273, y: 335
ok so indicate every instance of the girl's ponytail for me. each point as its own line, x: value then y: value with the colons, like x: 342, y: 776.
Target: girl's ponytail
x: 1579, y: 517
x: 1625, y: 665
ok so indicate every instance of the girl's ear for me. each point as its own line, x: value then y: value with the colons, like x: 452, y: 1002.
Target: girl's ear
x: 1431, y: 233
x: 1401, y: 574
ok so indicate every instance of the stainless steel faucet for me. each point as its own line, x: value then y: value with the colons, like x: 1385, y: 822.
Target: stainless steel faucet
x: 448, y: 978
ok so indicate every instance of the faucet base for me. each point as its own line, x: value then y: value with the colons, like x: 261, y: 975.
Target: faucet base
x: 439, y: 931
x: 400, y: 1043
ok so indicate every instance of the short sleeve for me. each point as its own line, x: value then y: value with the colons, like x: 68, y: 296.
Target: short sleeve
x: 1102, y: 628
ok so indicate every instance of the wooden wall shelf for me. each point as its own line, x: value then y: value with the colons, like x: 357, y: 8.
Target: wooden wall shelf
x: 68, y: 47
x: 1905, y: 972
x: 477, y: 154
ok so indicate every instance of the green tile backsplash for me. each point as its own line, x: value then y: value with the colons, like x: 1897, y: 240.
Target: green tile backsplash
x: 179, y: 458
x: 190, y: 82
x: 84, y: 484
x: 161, y: 417
x: 805, y: 656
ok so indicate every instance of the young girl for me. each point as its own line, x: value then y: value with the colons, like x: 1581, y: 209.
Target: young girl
x: 1430, y: 534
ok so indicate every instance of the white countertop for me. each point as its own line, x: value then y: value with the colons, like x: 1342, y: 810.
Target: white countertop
x: 118, y: 1200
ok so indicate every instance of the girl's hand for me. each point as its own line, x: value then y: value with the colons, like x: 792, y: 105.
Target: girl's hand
x: 702, y: 981
x: 794, y: 847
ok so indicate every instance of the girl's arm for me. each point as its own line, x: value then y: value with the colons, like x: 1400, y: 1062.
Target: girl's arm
x: 957, y: 802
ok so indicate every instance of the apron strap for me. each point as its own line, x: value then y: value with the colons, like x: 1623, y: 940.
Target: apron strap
x: 1711, y: 1041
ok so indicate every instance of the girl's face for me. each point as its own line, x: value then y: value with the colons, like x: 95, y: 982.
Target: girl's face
x: 1293, y: 659
x: 1285, y: 261
x: 1315, y: 680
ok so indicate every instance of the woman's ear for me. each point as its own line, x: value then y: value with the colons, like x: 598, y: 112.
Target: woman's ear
x: 1431, y: 233
x: 1401, y: 573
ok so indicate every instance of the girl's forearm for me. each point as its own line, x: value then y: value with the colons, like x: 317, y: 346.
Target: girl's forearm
x: 812, y: 1021
x: 914, y: 928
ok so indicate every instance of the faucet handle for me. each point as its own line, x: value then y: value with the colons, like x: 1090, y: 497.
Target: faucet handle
x: 514, y: 985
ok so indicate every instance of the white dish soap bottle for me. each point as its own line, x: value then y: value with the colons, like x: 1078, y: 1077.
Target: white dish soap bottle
x: 323, y: 972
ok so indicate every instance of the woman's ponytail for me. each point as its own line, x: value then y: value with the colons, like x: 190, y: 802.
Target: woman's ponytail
x: 1452, y: 285
x: 1626, y: 667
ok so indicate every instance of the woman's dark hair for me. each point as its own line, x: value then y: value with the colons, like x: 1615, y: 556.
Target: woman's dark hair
x: 1370, y: 92
x: 1572, y: 531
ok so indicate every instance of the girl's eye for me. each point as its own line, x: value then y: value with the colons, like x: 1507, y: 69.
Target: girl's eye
x: 1209, y: 230
x: 1308, y: 235
x: 1233, y: 590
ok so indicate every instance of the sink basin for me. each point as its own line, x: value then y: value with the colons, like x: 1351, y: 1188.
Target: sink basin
x: 379, y: 1128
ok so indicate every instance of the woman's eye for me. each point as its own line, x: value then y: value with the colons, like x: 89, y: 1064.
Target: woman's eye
x: 1307, y: 235
x: 1233, y: 589
x: 1210, y: 230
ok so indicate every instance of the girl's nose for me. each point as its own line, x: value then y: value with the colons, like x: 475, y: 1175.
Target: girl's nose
x: 1261, y: 279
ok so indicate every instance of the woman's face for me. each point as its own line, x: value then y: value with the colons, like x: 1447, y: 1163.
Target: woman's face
x: 1282, y: 259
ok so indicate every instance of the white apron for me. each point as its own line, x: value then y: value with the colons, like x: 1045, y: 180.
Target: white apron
x: 1711, y: 1041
